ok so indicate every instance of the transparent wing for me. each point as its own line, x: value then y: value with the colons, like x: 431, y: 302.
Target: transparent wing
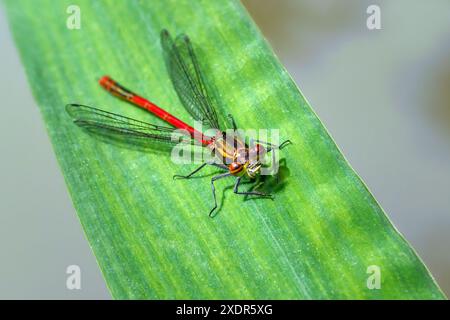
x: 187, y: 79
x: 110, y: 124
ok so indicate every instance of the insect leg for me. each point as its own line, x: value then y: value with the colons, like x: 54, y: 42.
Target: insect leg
x: 220, y: 176
x: 284, y: 144
x: 254, y: 193
x: 273, y: 146
x: 177, y: 176
x: 219, y: 165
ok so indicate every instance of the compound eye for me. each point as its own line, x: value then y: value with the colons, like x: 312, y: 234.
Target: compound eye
x: 235, y: 167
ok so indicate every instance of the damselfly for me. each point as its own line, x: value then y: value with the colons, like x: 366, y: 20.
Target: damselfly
x: 232, y: 154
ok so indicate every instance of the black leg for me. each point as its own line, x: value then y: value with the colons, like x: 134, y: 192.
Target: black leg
x: 219, y: 165
x: 274, y: 146
x: 220, y: 176
x: 247, y: 193
x: 177, y: 176
x: 284, y: 144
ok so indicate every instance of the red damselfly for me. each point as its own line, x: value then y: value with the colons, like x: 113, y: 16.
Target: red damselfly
x: 232, y: 154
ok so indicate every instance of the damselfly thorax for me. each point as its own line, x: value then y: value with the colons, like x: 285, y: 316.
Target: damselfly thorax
x: 240, y: 159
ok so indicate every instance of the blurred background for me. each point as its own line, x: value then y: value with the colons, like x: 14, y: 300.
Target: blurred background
x: 382, y: 94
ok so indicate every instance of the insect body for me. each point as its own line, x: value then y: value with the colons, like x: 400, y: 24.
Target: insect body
x: 231, y: 153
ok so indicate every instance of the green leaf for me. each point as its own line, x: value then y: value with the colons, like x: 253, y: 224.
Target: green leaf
x: 151, y: 235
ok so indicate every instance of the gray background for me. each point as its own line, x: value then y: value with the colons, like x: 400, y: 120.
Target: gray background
x: 383, y: 95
